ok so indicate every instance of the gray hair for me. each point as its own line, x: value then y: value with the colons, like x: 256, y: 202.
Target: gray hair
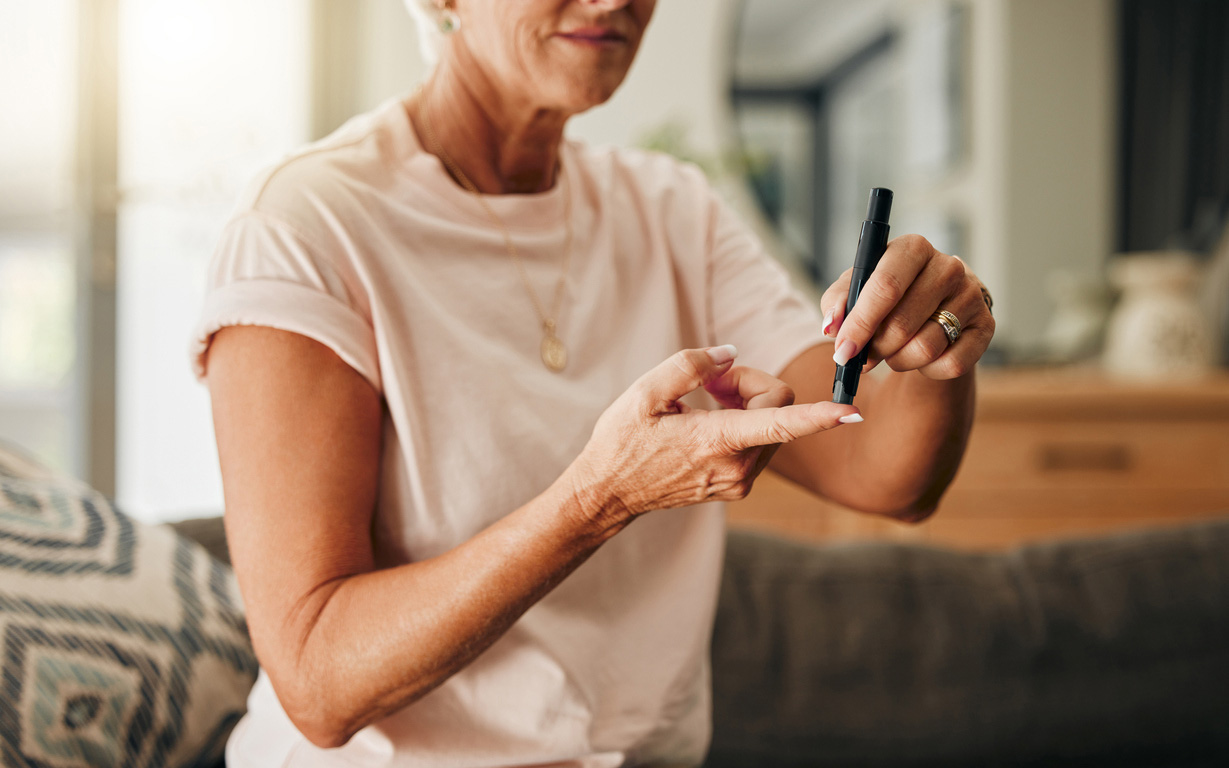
x: 426, y: 15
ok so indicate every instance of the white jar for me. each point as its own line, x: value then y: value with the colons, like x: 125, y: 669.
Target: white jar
x: 1157, y: 331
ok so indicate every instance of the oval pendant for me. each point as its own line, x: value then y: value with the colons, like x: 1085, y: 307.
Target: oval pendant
x: 554, y: 354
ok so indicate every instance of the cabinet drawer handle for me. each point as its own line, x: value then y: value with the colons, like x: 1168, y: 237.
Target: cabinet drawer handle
x: 1087, y: 457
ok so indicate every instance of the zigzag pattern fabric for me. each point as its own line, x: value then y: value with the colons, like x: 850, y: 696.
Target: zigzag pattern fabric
x: 121, y: 644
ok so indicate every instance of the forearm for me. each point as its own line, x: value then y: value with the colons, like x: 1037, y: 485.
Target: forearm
x: 926, y: 317
x: 373, y: 643
x: 904, y: 456
x: 901, y: 458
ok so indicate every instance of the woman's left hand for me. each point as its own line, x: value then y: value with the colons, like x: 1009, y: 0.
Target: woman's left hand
x: 893, y: 312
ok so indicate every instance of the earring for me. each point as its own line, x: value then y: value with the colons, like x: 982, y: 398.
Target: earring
x: 449, y: 21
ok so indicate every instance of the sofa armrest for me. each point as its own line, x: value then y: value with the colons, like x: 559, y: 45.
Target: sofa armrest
x: 208, y: 532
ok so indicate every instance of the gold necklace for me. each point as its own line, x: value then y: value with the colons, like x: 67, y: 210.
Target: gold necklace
x: 554, y: 353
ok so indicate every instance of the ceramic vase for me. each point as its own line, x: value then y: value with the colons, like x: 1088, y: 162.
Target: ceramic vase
x: 1157, y: 331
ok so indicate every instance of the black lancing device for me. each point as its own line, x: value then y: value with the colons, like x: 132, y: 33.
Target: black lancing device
x: 871, y: 244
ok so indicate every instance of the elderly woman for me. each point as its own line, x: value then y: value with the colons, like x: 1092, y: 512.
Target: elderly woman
x: 473, y: 385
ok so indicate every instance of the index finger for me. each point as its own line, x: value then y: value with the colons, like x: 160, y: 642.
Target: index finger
x: 902, y: 262
x: 740, y: 430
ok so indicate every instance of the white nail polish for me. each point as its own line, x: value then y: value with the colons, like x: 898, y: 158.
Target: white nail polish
x: 852, y: 418
x: 723, y: 354
x: 844, y: 352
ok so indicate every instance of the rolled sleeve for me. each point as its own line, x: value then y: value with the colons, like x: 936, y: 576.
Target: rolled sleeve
x: 290, y: 307
x: 264, y: 273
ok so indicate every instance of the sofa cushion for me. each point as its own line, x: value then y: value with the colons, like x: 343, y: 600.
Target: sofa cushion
x: 120, y: 643
x: 1106, y: 651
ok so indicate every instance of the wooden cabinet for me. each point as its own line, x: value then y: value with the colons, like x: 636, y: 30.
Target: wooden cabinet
x: 1053, y: 453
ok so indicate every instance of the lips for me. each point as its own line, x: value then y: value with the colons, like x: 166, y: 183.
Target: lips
x: 595, y: 35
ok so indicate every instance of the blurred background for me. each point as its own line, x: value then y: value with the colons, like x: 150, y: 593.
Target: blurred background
x: 1074, y: 152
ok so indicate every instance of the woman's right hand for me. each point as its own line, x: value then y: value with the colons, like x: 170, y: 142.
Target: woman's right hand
x: 649, y: 451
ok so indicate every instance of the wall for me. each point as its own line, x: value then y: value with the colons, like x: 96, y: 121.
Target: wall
x: 1059, y: 139
x: 1037, y: 188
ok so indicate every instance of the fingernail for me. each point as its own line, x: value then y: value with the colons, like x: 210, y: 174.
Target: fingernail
x: 844, y: 352
x: 851, y: 418
x: 828, y: 321
x: 723, y: 354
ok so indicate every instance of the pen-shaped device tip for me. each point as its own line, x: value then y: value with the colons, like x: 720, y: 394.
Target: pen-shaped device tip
x: 880, y: 205
x: 838, y: 392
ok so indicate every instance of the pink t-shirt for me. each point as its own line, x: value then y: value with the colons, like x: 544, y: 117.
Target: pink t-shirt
x: 362, y: 242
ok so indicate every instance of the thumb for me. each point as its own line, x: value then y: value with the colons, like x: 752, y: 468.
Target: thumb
x: 768, y: 426
x: 681, y: 373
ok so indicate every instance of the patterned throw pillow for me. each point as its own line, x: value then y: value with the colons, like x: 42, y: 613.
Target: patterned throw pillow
x: 121, y: 644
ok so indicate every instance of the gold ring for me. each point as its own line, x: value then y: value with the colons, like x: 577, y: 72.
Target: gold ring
x: 949, y: 323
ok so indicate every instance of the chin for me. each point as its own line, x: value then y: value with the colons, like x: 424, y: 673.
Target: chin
x: 579, y: 95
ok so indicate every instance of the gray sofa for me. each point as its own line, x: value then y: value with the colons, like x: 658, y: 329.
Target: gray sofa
x: 1111, y: 651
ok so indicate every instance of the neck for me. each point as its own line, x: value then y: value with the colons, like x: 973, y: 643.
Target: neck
x: 501, y: 141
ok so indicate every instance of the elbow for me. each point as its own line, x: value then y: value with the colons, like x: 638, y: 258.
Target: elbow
x: 910, y: 508
x: 325, y: 738
x: 917, y: 512
x: 318, y: 707
x: 328, y: 715
x: 920, y: 507
x: 318, y: 718
x: 309, y: 685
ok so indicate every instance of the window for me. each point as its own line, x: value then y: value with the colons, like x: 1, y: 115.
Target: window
x: 210, y: 92
x: 39, y: 361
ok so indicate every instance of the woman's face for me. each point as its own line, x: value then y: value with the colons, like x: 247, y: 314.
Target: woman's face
x: 561, y: 54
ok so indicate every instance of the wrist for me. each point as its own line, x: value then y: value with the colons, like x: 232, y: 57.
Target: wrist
x: 592, y: 503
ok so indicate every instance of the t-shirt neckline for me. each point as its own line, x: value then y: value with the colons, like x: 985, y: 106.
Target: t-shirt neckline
x: 519, y: 212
